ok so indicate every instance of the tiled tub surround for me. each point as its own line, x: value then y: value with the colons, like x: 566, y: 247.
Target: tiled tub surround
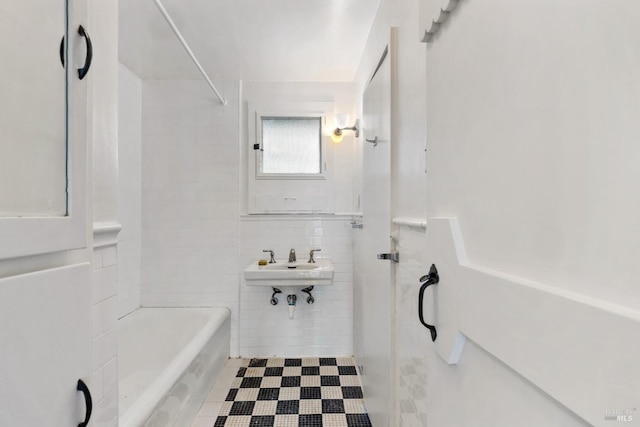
x: 324, y: 328
x: 190, y: 197
x: 305, y: 392
x: 168, y: 359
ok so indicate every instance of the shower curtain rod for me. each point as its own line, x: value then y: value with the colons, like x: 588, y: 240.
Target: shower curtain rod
x: 167, y: 17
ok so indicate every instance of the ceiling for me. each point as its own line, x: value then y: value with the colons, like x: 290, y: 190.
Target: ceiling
x: 252, y: 40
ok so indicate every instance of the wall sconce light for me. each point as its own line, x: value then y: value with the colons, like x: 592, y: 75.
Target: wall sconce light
x: 341, y: 124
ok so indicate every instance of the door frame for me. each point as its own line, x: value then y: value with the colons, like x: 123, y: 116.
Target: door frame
x: 389, y: 408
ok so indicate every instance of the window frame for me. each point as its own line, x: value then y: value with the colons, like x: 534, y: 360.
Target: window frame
x: 259, y: 175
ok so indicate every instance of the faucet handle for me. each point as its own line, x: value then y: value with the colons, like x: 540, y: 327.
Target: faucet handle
x: 272, y: 260
x: 311, y: 259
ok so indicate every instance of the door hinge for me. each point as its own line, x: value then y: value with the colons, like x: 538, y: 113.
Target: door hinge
x: 392, y: 256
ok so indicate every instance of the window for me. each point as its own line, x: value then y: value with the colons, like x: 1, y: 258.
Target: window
x: 289, y: 165
x: 290, y: 146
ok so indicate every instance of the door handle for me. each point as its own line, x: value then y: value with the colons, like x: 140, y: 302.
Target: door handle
x: 82, y: 72
x: 373, y: 141
x: 87, y: 401
x: 87, y: 62
x: 431, y: 279
x: 392, y: 256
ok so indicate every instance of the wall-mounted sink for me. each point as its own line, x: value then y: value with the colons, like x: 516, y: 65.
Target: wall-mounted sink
x: 284, y: 273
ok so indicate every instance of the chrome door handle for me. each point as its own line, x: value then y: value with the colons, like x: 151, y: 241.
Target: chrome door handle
x: 374, y: 141
x: 392, y: 256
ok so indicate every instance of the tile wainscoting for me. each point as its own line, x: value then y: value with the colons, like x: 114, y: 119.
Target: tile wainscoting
x: 321, y: 329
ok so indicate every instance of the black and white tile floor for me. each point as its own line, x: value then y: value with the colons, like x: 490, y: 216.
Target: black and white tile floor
x: 298, y: 392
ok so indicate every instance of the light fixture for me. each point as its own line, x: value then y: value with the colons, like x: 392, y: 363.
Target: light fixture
x: 341, y: 124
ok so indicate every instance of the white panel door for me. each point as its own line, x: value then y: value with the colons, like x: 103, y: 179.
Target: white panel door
x: 45, y: 316
x: 45, y: 339
x: 377, y: 287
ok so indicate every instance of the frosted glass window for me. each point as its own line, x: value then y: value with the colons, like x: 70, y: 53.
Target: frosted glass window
x: 291, y: 145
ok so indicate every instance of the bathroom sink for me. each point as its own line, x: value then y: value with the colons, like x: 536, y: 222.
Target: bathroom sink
x: 298, y: 266
x: 284, y: 273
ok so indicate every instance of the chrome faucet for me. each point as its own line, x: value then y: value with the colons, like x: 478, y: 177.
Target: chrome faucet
x: 311, y: 259
x: 292, y: 255
x: 272, y: 260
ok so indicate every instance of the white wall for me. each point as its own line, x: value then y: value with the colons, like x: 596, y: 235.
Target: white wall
x: 191, y: 226
x: 324, y: 328
x: 190, y: 196
x: 129, y: 190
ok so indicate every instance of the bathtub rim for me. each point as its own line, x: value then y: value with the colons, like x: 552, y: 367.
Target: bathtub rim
x: 144, y: 405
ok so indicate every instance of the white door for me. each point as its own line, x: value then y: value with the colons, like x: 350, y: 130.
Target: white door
x: 45, y: 337
x: 45, y: 314
x: 377, y: 287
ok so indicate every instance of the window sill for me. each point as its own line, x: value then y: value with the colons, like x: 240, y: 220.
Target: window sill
x: 295, y: 177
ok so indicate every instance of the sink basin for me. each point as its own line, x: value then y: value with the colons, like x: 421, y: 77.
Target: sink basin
x: 284, y: 273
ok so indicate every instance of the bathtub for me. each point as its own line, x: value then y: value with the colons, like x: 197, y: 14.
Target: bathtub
x: 168, y: 359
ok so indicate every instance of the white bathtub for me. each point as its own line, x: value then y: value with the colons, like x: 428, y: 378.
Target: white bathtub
x: 168, y: 359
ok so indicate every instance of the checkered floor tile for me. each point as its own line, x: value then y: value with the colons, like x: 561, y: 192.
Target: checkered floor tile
x: 306, y: 392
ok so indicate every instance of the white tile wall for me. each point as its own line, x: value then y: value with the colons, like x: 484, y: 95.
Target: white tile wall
x: 320, y: 329
x: 193, y: 246
x: 104, y: 384
x: 129, y: 190
x: 190, y: 197
x: 358, y: 292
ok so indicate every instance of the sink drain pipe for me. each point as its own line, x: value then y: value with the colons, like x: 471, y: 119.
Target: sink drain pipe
x: 291, y: 300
